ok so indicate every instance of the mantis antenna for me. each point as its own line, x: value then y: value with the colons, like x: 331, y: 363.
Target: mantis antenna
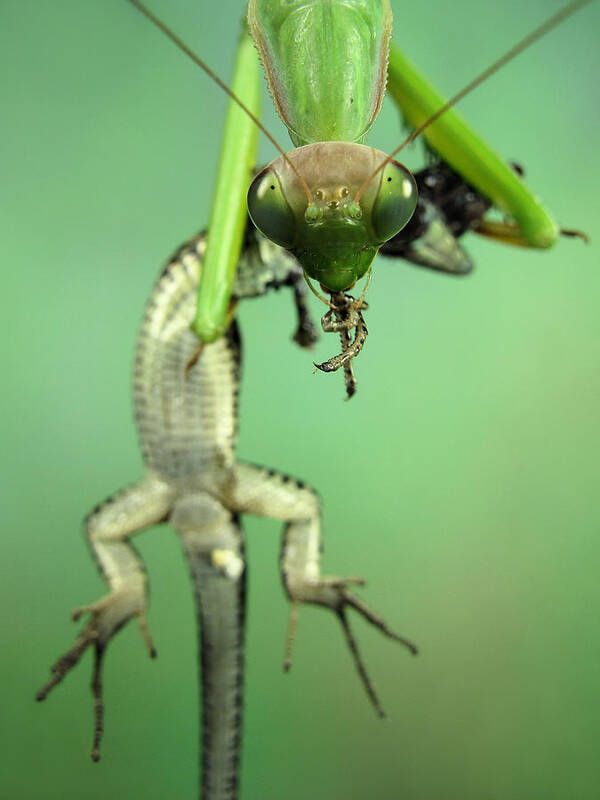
x: 221, y: 84
x: 565, y: 12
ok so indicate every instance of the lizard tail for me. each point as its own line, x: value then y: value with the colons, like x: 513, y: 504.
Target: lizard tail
x: 220, y: 606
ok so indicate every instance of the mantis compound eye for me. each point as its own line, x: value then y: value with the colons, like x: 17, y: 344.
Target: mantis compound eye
x: 269, y: 210
x: 395, y: 202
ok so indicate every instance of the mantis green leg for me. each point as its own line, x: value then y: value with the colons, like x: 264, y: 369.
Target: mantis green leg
x: 466, y: 152
x: 229, y: 213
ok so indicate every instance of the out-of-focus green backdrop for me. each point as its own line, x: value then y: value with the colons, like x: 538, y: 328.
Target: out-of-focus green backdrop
x: 462, y: 480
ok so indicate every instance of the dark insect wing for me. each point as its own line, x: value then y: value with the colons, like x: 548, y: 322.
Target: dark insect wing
x: 447, y: 208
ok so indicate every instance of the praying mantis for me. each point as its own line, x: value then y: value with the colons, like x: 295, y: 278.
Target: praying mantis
x: 364, y: 426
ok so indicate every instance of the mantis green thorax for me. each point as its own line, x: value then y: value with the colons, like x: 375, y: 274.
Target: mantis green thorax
x: 308, y: 200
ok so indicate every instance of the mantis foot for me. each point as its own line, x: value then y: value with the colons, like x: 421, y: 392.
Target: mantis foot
x: 333, y: 593
x: 108, y: 616
x: 573, y: 233
x: 345, y: 315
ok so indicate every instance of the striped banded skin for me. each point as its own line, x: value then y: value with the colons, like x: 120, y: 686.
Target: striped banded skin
x: 186, y: 415
x: 186, y: 421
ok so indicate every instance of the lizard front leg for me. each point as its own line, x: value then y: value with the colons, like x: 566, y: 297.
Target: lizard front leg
x: 267, y: 493
x: 107, y: 528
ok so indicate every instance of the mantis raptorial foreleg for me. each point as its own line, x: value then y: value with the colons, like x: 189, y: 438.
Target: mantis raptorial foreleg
x: 332, y: 201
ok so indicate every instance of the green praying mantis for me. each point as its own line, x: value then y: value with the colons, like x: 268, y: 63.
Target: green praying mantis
x: 333, y: 202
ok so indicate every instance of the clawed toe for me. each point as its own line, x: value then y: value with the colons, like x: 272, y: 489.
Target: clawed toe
x: 67, y: 661
x: 108, y: 615
x: 331, y: 592
x: 348, y: 599
x: 377, y: 621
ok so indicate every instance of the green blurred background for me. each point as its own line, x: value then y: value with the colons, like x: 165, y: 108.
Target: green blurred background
x: 466, y: 488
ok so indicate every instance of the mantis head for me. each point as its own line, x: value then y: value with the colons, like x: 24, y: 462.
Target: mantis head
x: 328, y: 206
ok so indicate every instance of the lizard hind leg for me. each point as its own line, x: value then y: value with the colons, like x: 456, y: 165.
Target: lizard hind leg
x: 267, y: 493
x: 332, y: 592
x: 107, y: 616
x: 108, y: 527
